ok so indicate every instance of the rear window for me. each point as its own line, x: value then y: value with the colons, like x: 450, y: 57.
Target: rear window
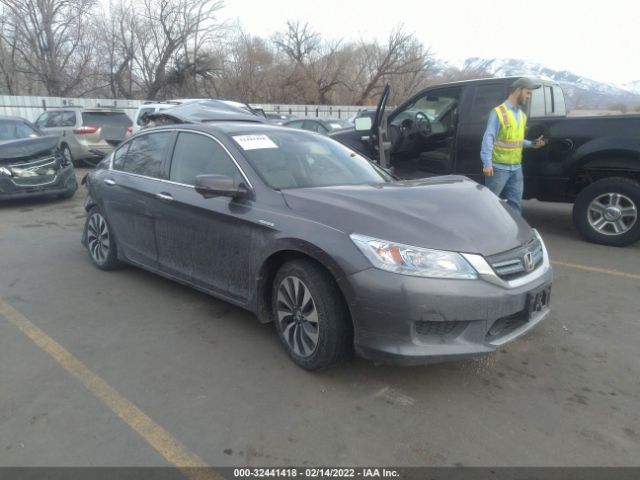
x: 101, y: 119
x: 10, y: 130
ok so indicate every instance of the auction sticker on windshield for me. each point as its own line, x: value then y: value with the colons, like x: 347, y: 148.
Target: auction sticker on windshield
x: 254, y: 142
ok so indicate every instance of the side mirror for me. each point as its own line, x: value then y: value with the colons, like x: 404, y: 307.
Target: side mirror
x: 218, y: 186
x: 363, y: 124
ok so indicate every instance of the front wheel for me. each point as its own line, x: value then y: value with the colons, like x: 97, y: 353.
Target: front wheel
x: 100, y: 242
x: 66, y: 153
x: 606, y: 212
x: 311, y: 317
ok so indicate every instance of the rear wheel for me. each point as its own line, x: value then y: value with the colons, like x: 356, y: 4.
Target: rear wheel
x: 311, y: 317
x: 100, y: 242
x: 607, y: 212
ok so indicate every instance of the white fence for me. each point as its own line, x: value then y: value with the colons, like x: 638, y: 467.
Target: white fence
x: 31, y: 107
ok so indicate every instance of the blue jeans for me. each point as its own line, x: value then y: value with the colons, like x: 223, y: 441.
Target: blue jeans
x: 507, y: 184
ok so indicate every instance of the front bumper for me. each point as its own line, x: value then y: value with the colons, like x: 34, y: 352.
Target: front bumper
x: 412, y: 321
x: 61, y: 183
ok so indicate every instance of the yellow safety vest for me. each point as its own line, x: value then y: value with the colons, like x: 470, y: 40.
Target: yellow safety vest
x: 507, y: 148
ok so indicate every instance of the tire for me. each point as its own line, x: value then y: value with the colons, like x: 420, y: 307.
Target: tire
x: 100, y: 243
x: 607, y: 212
x: 311, y: 316
x: 66, y: 153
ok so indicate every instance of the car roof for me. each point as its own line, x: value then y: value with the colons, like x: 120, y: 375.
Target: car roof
x: 491, y: 80
x: 87, y: 109
x: 11, y: 118
x: 203, y: 111
x: 230, y: 128
x: 158, y: 105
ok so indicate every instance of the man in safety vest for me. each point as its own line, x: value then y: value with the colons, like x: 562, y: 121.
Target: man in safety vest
x: 503, y: 141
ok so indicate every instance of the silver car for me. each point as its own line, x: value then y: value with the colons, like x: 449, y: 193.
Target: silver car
x: 85, y: 135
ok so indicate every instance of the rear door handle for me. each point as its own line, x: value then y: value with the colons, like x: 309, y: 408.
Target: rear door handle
x: 108, y: 181
x: 164, y: 196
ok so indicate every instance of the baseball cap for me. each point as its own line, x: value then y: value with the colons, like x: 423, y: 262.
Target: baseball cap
x: 525, y: 82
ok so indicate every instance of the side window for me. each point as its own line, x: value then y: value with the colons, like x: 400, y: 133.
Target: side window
x: 146, y: 154
x: 537, y: 103
x: 54, y: 119
x: 68, y: 119
x: 559, y: 107
x: 486, y: 98
x: 41, y: 122
x: 197, y: 154
x: 295, y: 124
x: 119, y: 156
x: 314, y: 126
x: 548, y: 100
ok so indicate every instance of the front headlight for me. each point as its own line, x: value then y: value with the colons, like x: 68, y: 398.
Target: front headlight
x: 416, y: 261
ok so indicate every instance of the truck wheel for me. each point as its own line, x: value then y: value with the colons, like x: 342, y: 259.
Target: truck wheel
x: 606, y: 212
x: 311, y: 317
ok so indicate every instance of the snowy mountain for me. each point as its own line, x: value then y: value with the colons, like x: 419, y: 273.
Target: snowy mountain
x: 581, y: 92
x: 633, y: 87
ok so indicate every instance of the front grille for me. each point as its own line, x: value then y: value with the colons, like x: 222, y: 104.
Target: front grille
x: 437, y: 328
x: 35, y: 165
x: 512, y: 264
x: 35, y: 173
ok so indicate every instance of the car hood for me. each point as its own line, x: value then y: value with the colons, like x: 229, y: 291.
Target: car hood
x: 26, y: 148
x: 446, y: 213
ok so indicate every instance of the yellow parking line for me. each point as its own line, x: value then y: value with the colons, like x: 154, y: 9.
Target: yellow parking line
x: 161, y: 440
x: 597, y: 270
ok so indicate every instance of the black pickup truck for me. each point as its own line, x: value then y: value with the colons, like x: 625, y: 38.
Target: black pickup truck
x: 592, y: 162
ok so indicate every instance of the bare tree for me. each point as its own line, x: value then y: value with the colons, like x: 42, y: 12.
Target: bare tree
x: 50, y: 39
x: 298, y: 42
x: 8, y: 60
x: 402, y: 55
x: 247, y: 69
x: 317, y: 67
x: 118, y: 46
x: 165, y: 27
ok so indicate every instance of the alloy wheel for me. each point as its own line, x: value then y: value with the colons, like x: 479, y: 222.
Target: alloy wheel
x: 612, y: 214
x: 98, y: 238
x: 298, y: 316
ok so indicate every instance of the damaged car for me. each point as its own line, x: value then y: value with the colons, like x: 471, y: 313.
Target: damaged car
x: 31, y: 164
x: 308, y: 234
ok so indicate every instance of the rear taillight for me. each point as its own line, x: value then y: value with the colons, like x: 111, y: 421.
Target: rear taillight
x: 129, y: 130
x: 85, y: 129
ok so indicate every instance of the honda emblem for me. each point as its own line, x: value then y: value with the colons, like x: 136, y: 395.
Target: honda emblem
x: 528, y: 261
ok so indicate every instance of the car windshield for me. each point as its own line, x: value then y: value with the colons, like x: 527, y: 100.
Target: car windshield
x: 16, y: 130
x: 295, y: 159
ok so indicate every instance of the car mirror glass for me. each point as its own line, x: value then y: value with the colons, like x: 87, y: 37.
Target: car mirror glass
x: 363, y: 124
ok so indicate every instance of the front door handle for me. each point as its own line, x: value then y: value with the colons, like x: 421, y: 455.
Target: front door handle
x: 164, y: 196
x: 108, y: 181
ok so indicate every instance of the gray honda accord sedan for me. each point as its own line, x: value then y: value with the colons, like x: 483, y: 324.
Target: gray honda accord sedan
x: 304, y: 232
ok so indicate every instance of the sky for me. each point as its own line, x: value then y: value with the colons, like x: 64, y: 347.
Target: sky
x: 599, y: 40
